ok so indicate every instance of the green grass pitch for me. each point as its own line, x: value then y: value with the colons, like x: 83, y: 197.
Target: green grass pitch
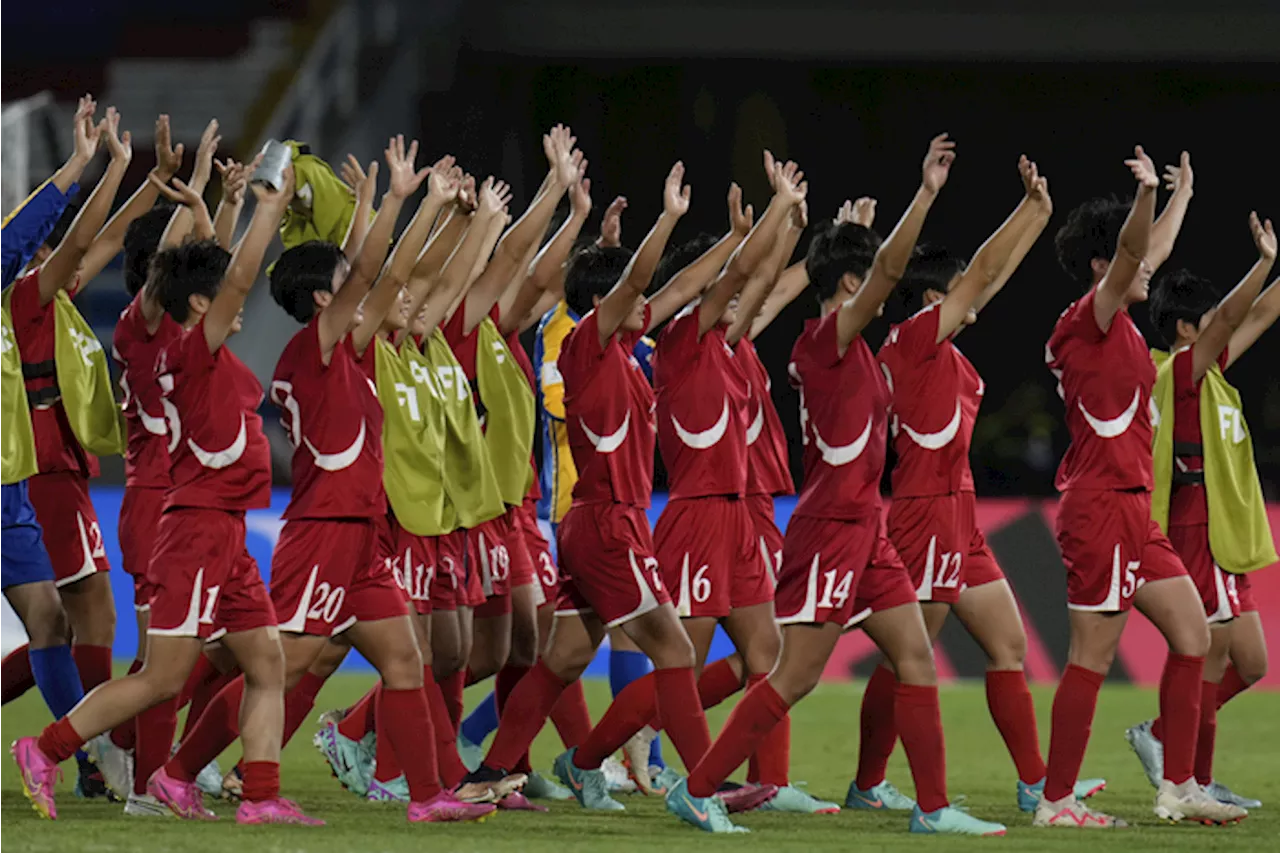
x: 823, y: 754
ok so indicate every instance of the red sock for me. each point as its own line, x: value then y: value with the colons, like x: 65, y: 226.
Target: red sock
x: 15, y: 675
x: 680, y: 713
x: 217, y: 728
x: 570, y: 716
x: 469, y: 678
x: 1157, y: 729
x: 59, y: 740
x: 405, y: 715
x: 125, y: 735
x: 1074, y: 705
x: 209, y: 685
x: 919, y: 722
x: 1208, y: 732
x: 630, y: 711
x: 771, y: 761
x: 155, y: 738
x: 359, y: 719
x: 717, y: 683
x: 298, y: 703
x: 261, y: 781
x: 386, y: 765
x: 508, y: 677
x: 1014, y: 713
x: 453, y: 687
x: 94, y: 663
x: 756, y: 716
x: 878, y: 729
x: 528, y: 707
x: 1232, y: 686
x: 449, y: 766
x: 1180, y: 688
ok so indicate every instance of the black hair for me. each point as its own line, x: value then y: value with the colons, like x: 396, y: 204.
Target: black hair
x: 930, y: 268
x: 61, y: 227
x: 592, y: 273
x: 194, y: 268
x: 836, y: 250
x: 1092, y: 231
x: 141, y: 239
x: 678, y: 257
x: 1180, y: 295
x: 302, y: 271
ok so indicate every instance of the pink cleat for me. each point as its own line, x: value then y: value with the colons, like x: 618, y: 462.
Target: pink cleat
x: 518, y: 802
x: 185, y: 799
x: 278, y: 810
x: 747, y: 797
x: 444, y: 808
x: 39, y: 776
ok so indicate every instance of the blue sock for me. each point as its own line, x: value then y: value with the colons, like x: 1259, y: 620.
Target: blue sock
x: 482, y: 721
x: 57, y: 678
x: 624, y: 668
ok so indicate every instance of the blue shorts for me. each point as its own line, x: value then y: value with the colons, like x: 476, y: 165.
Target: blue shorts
x: 23, y: 559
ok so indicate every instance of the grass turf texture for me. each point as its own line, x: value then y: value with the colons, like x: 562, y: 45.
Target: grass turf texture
x: 824, y: 753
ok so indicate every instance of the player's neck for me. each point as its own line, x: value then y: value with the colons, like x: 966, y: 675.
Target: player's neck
x: 832, y: 304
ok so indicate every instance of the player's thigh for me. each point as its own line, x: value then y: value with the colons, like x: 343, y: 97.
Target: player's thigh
x: 1095, y: 636
x: 390, y: 645
x: 660, y: 635
x: 300, y: 653
x: 935, y: 616
x: 620, y: 642
x: 755, y: 634
x: 524, y: 625
x: 446, y: 643
x: 259, y: 655
x: 491, y: 644
x: 574, y: 641
x: 990, y: 614
x: 1215, y: 662
x: 900, y: 634
x: 91, y: 609
x: 330, y: 658
x: 1173, y: 605
x: 701, y: 631
x: 169, y: 662
x: 1249, y: 647
x: 806, y: 648
x: 39, y: 607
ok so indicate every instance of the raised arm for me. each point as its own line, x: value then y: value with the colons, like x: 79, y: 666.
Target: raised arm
x: 1164, y: 233
x: 1237, y: 306
x: 364, y: 185
x: 547, y: 275
x: 1265, y: 311
x: 621, y: 300
x: 181, y: 223
x: 519, y: 300
x: 990, y: 263
x: 456, y: 276
x: 235, y: 179
x: 1133, y: 244
x: 86, y: 145
x: 891, y: 258
x: 246, y: 261
x: 767, y: 277
x: 708, y: 270
x: 558, y: 146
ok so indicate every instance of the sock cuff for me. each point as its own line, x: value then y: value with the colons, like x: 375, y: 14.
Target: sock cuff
x: 916, y: 694
x: 1177, y: 660
x: 1005, y: 676
x: 774, y: 702
x: 544, y: 672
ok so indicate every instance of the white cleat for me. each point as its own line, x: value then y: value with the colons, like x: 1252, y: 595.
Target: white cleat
x: 209, y: 780
x: 1189, y: 801
x: 1149, y: 749
x: 636, y: 749
x: 145, y: 805
x: 1072, y: 813
x: 115, y: 764
x: 616, y: 777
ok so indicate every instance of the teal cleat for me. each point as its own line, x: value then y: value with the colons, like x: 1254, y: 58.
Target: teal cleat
x: 664, y: 780
x: 706, y: 813
x: 588, y: 786
x: 470, y: 753
x: 539, y: 787
x: 1149, y: 749
x: 1029, y: 796
x: 346, y: 759
x: 883, y: 797
x: 792, y: 798
x: 395, y: 791
x: 950, y: 820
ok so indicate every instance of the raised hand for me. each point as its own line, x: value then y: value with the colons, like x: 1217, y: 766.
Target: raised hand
x: 788, y: 182
x: 235, y: 177
x: 404, y: 180
x: 580, y: 198
x: 1034, y: 184
x: 275, y: 198
x: 769, y: 169
x: 611, y: 226
x: 168, y: 156
x: 494, y: 197
x: 937, y: 163
x: 120, y: 145
x: 864, y: 211
x: 1264, y: 237
x: 468, y: 200
x: 87, y: 132
x: 800, y: 216
x: 675, y: 193
x: 445, y: 179
x: 844, y: 214
x: 203, y: 169
x: 1179, y: 177
x: 565, y: 160
x: 740, y: 219
x: 1144, y: 171
x: 363, y: 184
x: 176, y: 191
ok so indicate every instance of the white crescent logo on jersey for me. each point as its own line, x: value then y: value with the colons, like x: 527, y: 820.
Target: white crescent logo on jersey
x: 607, y: 443
x: 845, y: 453
x: 172, y: 422
x: 935, y: 440
x: 155, y: 426
x: 222, y: 458
x: 338, y: 461
x: 1155, y: 411
x: 757, y: 426
x: 1115, y: 426
x: 708, y: 438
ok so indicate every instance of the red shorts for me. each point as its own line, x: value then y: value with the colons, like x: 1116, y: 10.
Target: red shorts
x: 206, y: 584
x: 524, y: 571
x: 1218, y: 589
x: 1244, y: 590
x: 839, y: 571
x: 139, y: 522
x: 709, y: 553
x: 451, y: 554
x: 489, y: 566
x: 767, y: 533
x: 1111, y: 547
x: 607, y: 563
x: 414, y: 568
x: 72, y: 535
x: 544, y: 565
x: 939, y: 540
x: 326, y: 575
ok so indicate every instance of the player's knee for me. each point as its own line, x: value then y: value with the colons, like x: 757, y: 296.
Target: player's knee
x: 402, y: 670
x: 762, y: 654
x: 795, y: 684
x: 265, y: 670
x: 524, y: 643
x: 1190, y: 639
x: 673, y: 650
x: 569, y: 660
x: 914, y: 665
x: 1251, y: 668
x: 1008, y: 653
x: 47, y: 623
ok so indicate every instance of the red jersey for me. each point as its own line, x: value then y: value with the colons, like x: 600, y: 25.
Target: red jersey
x: 135, y: 349
x: 220, y: 457
x: 936, y: 394
x: 702, y: 409
x: 57, y: 448
x: 1105, y: 379
x: 1188, y: 504
x: 768, y: 467
x: 844, y: 402
x: 609, y: 414
x: 332, y: 416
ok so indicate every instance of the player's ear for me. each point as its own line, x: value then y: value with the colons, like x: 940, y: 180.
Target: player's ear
x: 199, y: 303
x: 1099, y: 267
x: 850, y: 283
x: 595, y: 301
x: 322, y: 298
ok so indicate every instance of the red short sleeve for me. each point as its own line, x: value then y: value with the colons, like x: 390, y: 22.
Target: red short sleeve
x: 1080, y: 321
x: 826, y: 341
x: 917, y: 336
